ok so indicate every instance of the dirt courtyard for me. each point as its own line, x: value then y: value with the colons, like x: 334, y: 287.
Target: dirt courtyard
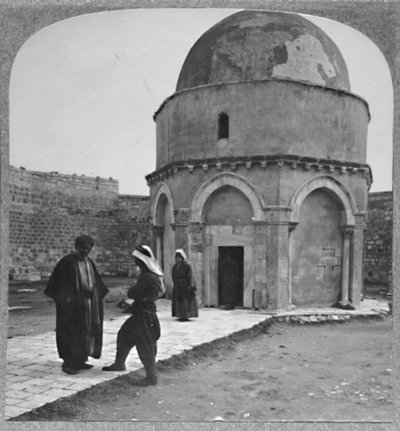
x: 325, y: 372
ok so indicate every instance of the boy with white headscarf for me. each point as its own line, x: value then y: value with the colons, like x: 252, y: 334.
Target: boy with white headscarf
x: 142, y: 328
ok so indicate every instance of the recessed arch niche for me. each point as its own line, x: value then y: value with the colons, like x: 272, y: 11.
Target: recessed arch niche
x: 316, y: 253
x: 228, y: 206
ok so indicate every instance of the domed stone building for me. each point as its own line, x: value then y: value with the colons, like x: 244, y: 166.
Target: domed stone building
x: 261, y: 167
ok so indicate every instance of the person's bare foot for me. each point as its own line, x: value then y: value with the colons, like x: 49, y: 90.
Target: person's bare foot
x: 84, y: 366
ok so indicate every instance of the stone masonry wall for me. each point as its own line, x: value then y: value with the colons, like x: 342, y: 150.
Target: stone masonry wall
x: 49, y: 210
x: 378, y: 239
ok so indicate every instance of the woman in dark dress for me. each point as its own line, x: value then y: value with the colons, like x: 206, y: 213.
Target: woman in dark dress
x: 184, y: 303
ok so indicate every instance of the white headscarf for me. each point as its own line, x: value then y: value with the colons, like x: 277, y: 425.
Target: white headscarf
x: 146, y: 247
x: 155, y: 265
x: 145, y: 254
x: 182, y: 253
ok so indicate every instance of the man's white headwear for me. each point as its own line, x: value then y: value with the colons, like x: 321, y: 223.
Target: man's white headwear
x: 145, y: 254
x: 146, y: 247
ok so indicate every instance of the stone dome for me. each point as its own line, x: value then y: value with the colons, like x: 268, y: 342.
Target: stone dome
x: 264, y: 45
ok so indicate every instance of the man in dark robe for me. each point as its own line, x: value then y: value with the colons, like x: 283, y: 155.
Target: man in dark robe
x: 78, y: 290
x: 142, y: 328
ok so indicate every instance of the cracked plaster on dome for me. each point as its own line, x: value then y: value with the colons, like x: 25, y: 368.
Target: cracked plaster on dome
x: 241, y: 63
x: 254, y: 45
x: 306, y: 59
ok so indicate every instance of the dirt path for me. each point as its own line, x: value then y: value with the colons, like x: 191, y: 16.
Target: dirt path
x: 323, y: 372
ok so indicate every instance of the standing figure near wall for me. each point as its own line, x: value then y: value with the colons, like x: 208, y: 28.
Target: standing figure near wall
x: 78, y: 291
x: 184, y: 304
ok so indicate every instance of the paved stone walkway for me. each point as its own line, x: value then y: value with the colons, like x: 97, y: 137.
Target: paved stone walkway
x: 34, y: 375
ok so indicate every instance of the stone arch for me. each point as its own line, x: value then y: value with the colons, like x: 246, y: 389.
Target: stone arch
x: 328, y: 183
x: 226, y: 179
x: 162, y: 191
x: 317, y: 257
x: 162, y: 219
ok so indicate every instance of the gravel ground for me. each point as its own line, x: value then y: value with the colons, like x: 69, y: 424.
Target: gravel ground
x: 313, y: 372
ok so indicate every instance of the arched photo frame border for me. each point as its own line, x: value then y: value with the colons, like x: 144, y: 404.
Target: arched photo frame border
x: 20, y: 19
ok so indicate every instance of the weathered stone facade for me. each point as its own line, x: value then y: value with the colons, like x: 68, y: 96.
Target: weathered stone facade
x: 261, y: 157
x: 44, y: 224
x: 378, y: 239
x: 49, y: 210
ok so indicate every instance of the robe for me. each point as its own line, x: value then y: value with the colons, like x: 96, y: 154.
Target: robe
x: 184, y: 303
x: 79, y: 313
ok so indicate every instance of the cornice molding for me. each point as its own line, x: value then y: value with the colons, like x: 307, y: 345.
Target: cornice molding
x: 232, y: 163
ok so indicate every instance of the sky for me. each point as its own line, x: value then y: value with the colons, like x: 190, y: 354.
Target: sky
x: 83, y: 91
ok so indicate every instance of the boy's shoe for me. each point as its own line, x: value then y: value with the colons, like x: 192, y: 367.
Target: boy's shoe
x: 145, y: 382
x: 114, y: 367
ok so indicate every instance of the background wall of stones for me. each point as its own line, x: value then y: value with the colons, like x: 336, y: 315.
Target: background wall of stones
x: 49, y: 210
x: 378, y: 239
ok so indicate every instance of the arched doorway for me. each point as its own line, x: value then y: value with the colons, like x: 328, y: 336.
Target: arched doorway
x: 228, y: 219
x: 317, y: 250
x: 227, y: 207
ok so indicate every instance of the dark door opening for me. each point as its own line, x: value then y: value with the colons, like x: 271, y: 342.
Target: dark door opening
x: 230, y: 276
